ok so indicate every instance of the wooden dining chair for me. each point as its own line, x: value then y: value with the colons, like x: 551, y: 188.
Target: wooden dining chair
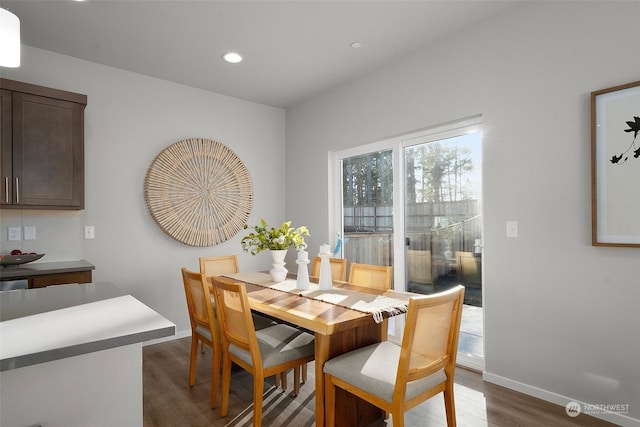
x: 338, y: 268
x: 262, y: 353
x: 222, y: 264
x: 216, y: 265
x: 424, y: 363
x: 203, y: 327
x: 376, y: 277
x: 371, y: 276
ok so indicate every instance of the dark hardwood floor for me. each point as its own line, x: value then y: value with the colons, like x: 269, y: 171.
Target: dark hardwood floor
x: 169, y: 401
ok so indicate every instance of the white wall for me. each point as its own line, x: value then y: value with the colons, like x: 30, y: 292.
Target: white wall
x: 562, y: 318
x: 129, y: 119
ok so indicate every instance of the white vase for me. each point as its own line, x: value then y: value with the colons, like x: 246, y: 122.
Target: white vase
x: 278, y: 272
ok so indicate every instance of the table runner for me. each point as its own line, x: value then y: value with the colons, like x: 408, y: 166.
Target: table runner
x: 377, y: 305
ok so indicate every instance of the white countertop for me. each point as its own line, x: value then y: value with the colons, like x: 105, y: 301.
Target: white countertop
x: 40, y: 325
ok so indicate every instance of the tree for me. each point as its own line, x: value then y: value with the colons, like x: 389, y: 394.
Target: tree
x: 368, y: 179
x: 439, y: 172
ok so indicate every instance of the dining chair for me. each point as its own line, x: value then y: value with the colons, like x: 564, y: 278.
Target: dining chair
x: 371, y: 276
x: 263, y: 352
x: 376, y: 277
x: 203, y: 327
x: 338, y: 268
x: 216, y: 265
x: 425, y: 361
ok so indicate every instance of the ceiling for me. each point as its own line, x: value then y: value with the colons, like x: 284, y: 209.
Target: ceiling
x: 292, y: 49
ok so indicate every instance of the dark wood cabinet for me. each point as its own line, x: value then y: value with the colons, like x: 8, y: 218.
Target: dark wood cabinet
x: 59, y: 279
x: 42, y: 147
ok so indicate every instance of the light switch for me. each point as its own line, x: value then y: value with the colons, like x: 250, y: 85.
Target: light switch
x: 512, y: 228
x: 89, y: 232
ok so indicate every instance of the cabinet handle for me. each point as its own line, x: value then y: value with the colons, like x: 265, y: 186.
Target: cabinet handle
x: 17, y: 190
x: 6, y: 189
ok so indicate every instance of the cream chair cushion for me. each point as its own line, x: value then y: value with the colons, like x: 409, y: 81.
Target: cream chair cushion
x: 374, y: 368
x: 278, y: 344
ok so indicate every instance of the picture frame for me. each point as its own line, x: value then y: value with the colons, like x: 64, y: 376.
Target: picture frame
x: 615, y: 166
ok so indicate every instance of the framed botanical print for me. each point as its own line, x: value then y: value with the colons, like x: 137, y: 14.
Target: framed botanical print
x: 615, y: 166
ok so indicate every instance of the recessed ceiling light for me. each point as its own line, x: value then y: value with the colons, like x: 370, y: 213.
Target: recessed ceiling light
x: 356, y: 45
x: 232, y: 57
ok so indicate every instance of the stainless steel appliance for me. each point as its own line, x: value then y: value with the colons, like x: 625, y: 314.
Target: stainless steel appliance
x: 10, y: 285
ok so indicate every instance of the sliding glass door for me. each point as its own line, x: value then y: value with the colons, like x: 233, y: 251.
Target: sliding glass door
x: 415, y: 203
x: 443, y: 227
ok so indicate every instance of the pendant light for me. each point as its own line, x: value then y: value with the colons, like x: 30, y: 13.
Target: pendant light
x: 9, y: 39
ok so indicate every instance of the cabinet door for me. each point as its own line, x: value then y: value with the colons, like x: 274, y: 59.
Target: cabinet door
x: 60, y: 279
x: 6, y: 171
x: 48, y: 152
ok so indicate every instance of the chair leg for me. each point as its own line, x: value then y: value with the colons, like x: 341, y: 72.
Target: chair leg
x: 258, y: 385
x: 226, y: 380
x: 215, y: 376
x: 277, y: 380
x: 192, y: 361
x: 201, y: 347
x: 296, y: 380
x: 304, y: 373
x: 449, y: 404
x: 329, y: 401
x: 397, y: 419
x: 283, y: 379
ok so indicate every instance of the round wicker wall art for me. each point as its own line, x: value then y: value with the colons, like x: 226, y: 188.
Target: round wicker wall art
x: 199, y: 192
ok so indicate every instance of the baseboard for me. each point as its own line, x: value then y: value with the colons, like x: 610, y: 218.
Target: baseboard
x: 177, y: 336
x: 470, y: 362
x: 612, y: 417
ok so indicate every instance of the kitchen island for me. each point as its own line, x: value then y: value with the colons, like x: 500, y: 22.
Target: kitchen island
x: 71, y: 355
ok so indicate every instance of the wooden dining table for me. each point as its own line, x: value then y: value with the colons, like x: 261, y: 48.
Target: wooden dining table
x: 337, y: 330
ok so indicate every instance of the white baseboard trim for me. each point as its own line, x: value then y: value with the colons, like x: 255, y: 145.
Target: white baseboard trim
x: 612, y: 417
x: 470, y: 362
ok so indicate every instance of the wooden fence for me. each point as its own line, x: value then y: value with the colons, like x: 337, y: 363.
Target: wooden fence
x: 432, y: 252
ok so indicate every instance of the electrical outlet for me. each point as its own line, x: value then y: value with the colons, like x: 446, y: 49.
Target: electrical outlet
x: 30, y: 233
x: 89, y: 232
x: 13, y: 233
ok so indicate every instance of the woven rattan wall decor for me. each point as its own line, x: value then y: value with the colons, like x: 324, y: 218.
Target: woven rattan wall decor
x: 199, y: 192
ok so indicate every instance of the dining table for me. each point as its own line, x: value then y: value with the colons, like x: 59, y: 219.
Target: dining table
x: 342, y: 319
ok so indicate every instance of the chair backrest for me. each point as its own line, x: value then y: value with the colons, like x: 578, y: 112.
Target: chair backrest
x: 419, y: 266
x: 234, y: 314
x: 198, y: 297
x: 338, y: 268
x: 371, y: 276
x: 467, y: 267
x: 430, y: 340
x: 214, y: 265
